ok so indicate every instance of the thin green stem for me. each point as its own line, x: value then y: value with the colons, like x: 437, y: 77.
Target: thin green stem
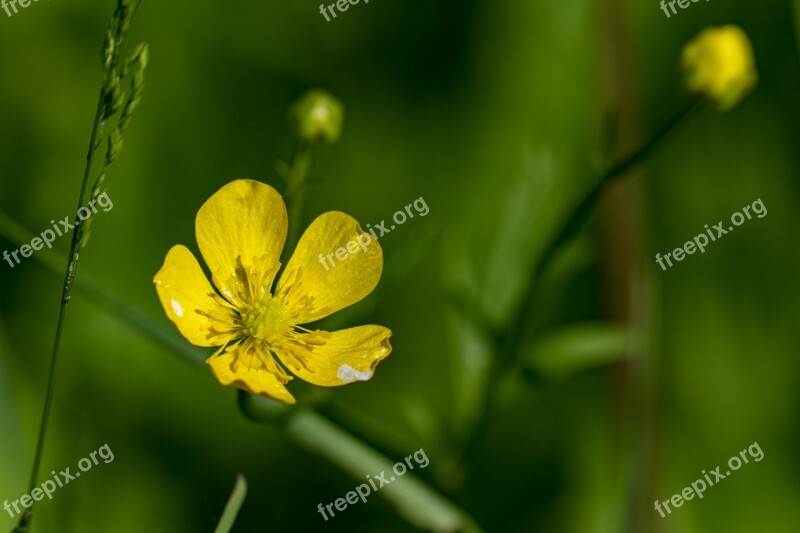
x: 794, y: 8
x: 69, y: 277
x: 233, y: 506
x: 296, y: 191
x: 96, y: 293
x: 413, y: 500
x: 122, y: 20
x: 580, y: 214
x: 509, y: 344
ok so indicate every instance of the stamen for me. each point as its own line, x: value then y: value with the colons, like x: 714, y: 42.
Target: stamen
x: 301, y: 300
x: 256, y: 357
x: 221, y: 326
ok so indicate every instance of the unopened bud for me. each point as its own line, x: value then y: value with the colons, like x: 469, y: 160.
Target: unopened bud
x: 719, y: 64
x: 317, y: 117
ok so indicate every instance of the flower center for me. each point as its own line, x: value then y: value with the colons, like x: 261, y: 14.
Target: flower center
x: 267, y: 320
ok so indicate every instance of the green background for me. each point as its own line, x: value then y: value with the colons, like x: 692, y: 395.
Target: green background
x: 632, y: 380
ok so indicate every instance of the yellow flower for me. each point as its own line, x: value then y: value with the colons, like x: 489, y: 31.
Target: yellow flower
x: 241, y: 231
x: 719, y: 64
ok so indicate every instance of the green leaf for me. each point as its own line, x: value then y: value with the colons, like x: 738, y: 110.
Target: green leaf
x: 470, y: 355
x: 579, y: 347
x: 491, y: 255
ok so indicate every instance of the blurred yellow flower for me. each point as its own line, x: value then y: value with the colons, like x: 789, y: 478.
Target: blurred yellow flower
x: 241, y: 231
x: 719, y: 64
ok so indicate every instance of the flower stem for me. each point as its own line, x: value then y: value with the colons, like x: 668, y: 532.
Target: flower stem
x: 109, y: 103
x: 296, y: 191
x: 69, y: 277
x: 580, y: 214
x: 509, y: 343
x: 413, y: 500
x: 232, y: 507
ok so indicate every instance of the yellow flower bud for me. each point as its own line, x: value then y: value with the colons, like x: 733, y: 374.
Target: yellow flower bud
x: 719, y: 64
x: 317, y: 116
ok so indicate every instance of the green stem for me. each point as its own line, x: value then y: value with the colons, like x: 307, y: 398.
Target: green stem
x: 795, y: 9
x: 509, y: 344
x: 579, y: 215
x: 296, y: 192
x: 96, y: 293
x: 232, y: 507
x: 69, y: 277
x: 413, y: 500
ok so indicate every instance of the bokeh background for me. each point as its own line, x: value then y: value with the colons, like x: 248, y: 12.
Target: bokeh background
x: 630, y: 381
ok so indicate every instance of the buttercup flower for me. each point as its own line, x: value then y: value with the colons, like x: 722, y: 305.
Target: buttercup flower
x: 241, y: 231
x: 719, y: 64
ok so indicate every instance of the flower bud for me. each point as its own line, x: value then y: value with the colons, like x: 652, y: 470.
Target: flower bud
x: 719, y: 64
x: 317, y: 116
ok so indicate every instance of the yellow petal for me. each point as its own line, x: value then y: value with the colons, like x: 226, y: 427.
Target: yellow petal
x: 337, y: 358
x: 183, y: 290
x: 241, y: 369
x: 244, y: 219
x: 312, y: 286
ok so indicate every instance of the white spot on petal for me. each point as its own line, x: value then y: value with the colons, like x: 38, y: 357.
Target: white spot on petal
x: 348, y: 374
x: 177, y: 308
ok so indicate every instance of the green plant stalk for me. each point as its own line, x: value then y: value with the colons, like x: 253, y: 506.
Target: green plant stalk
x: 510, y: 343
x: 90, y: 288
x: 794, y: 7
x: 577, y: 219
x: 76, y: 244
x: 69, y: 277
x: 296, y: 192
x: 414, y: 499
x: 233, y: 506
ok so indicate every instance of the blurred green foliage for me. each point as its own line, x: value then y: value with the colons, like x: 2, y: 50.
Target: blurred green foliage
x: 494, y: 113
